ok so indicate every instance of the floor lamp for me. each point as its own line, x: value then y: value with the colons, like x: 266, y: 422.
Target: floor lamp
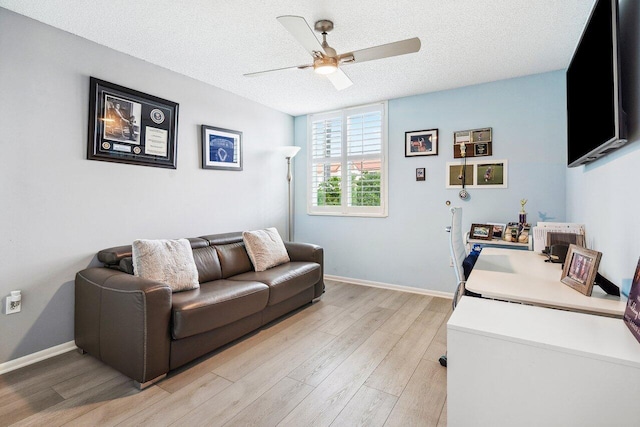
x: 289, y: 153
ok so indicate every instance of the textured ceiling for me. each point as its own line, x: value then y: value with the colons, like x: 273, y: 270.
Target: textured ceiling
x: 464, y: 42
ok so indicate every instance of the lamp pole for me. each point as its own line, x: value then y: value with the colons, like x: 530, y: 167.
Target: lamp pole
x: 291, y: 152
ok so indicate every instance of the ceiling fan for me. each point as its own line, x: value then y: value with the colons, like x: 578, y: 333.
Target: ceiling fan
x: 326, y: 60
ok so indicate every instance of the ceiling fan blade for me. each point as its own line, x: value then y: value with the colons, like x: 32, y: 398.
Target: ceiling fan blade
x: 339, y: 79
x: 383, y: 51
x: 301, y: 67
x: 301, y: 31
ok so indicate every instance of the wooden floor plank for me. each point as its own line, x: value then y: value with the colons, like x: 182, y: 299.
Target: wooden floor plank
x: 395, y: 300
x: 270, y: 408
x: 249, y: 360
x: 176, y: 405
x: 45, y: 376
x: 317, y: 368
x: 369, y: 407
x: 422, y: 401
x: 19, y: 409
x: 86, y: 380
x: 223, y: 407
x: 324, y: 403
x: 438, y: 346
x: 393, y: 374
x: 442, y: 305
x: 406, y: 315
x: 115, y: 411
x: 76, y: 406
x: 370, y: 299
x: 345, y: 296
x: 442, y: 422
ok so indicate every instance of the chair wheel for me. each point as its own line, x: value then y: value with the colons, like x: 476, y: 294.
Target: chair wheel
x: 443, y: 361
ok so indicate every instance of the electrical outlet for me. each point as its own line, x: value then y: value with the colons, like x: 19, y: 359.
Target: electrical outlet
x: 13, y: 303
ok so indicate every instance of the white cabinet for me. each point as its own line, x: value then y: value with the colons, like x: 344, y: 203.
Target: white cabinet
x: 518, y: 365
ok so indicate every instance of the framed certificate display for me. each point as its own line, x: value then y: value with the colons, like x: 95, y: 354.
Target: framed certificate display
x: 128, y: 126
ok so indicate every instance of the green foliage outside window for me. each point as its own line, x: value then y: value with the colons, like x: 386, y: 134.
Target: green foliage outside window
x: 365, y: 190
x: 329, y: 192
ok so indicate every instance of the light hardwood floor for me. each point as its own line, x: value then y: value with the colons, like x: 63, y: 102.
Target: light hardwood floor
x: 359, y: 357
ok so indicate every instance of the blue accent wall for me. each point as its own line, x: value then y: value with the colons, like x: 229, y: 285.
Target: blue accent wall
x: 410, y: 246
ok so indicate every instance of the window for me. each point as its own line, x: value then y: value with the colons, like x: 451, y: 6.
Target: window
x: 348, y: 162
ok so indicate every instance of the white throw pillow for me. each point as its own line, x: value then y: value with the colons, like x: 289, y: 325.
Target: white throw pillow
x: 265, y: 248
x: 167, y: 261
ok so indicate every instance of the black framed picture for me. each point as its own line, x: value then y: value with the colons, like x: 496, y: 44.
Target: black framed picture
x: 221, y: 148
x: 128, y: 126
x: 421, y: 143
x: 420, y: 174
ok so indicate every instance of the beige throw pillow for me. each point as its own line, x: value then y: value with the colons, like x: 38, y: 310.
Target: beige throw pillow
x: 167, y: 261
x: 265, y: 248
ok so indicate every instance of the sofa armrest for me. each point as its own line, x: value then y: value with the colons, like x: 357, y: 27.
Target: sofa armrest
x: 124, y: 320
x: 309, y: 253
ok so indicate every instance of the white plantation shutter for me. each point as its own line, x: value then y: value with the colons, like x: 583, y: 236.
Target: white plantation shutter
x: 347, y: 162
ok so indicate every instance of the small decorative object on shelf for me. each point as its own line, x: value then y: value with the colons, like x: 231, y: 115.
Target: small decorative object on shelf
x: 522, y: 217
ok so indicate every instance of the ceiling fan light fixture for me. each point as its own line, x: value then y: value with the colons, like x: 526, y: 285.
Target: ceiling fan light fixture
x: 326, y: 65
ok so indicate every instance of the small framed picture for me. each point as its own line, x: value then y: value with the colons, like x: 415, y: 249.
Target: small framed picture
x: 420, y: 174
x: 421, y: 143
x: 631, y: 316
x: 481, y: 231
x: 511, y: 232
x: 580, y: 269
x: 498, y: 230
x: 221, y: 148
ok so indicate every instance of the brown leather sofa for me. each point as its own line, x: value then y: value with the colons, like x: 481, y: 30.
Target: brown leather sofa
x: 140, y: 328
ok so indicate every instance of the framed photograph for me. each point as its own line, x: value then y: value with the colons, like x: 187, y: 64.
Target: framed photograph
x: 456, y: 172
x: 478, y: 174
x: 511, y: 232
x: 221, y: 148
x: 420, y: 174
x: 421, y: 143
x: 580, y: 269
x: 632, y: 312
x: 498, y: 230
x: 477, y: 143
x: 128, y: 126
x: 491, y: 174
x: 481, y: 231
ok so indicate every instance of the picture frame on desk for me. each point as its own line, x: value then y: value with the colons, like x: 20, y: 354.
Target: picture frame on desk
x: 632, y: 312
x: 481, y: 231
x: 498, y: 229
x: 580, y: 269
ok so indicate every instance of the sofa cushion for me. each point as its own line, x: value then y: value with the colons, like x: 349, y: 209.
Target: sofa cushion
x: 285, y: 280
x: 265, y: 248
x: 216, y: 304
x: 167, y: 261
x: 233, y: 259
x: 207, y: 263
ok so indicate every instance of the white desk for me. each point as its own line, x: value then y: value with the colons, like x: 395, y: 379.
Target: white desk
x: 523, y: 276
x: 519, y: 365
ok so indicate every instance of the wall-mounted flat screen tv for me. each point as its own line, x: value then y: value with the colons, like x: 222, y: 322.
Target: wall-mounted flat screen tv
x: 596, y: 122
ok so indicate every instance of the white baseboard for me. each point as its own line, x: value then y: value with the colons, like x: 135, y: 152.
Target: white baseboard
x: 32, y: 358
x: 410, y: 289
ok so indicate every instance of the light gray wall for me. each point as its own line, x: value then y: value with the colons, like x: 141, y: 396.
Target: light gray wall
x: 57, y: 209
x: 604, y: 194
x: 410, y: 247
